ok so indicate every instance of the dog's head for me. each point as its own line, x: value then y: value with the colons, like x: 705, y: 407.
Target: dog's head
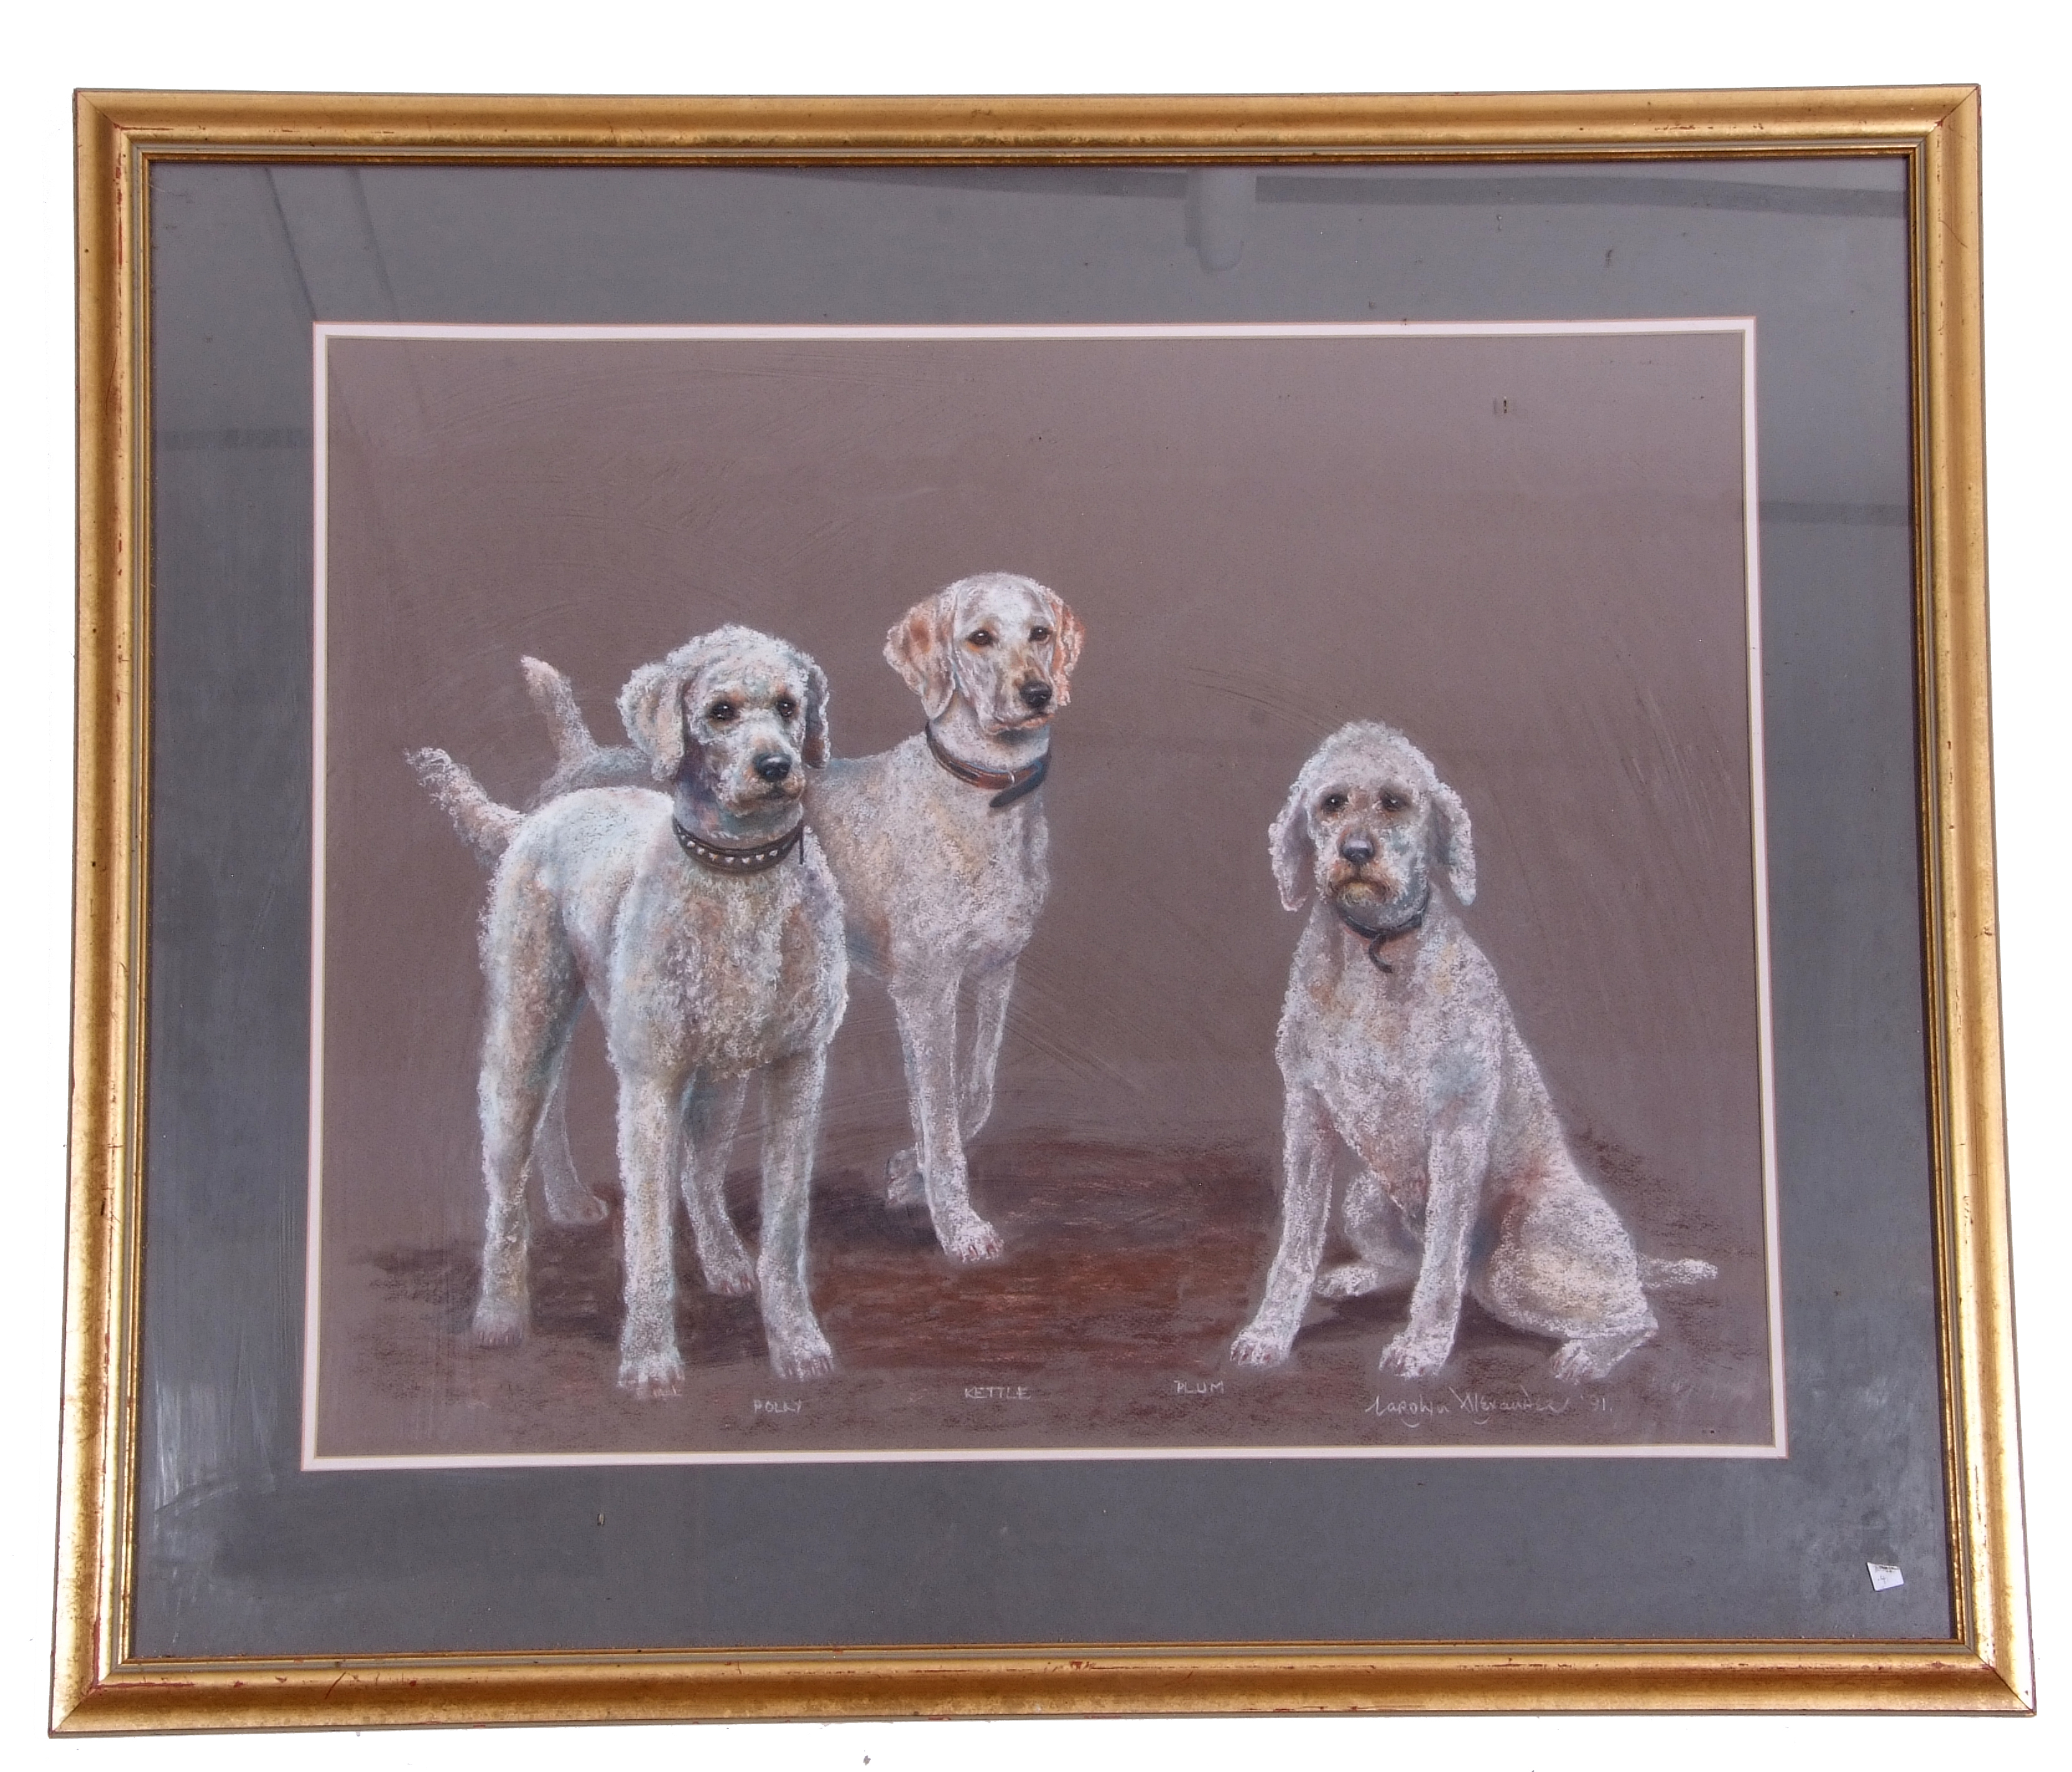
x: 1367, y: 820
x: 741, y: 710
x: 1004, y: 643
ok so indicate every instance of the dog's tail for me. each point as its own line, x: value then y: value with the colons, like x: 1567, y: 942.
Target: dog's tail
x: 556, y: 700
x: 1657, y: 1272
x: 486, y: 827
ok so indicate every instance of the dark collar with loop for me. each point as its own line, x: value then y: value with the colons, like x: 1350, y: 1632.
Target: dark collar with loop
x: 1008, y: 785
x: 758, y: 859
x: 1377, y: 939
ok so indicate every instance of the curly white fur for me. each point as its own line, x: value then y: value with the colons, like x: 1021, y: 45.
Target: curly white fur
x: 701, y: 978
x: 939, y: 886
x: 1396, y: 1043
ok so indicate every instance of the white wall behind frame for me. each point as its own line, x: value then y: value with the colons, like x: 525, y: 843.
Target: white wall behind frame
x: 2017, y: 51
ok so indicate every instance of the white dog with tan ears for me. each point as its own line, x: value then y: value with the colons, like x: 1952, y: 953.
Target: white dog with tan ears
x: 943, y: 854
x: 943, y: 851
x: 1396, y: 1042
x: 698, y: 916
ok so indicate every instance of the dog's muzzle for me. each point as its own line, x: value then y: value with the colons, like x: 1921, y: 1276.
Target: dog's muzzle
x: 772, y: 777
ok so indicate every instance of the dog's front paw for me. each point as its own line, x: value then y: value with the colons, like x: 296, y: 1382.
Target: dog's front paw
x: 658, y: 1373
x: 905, y: 1191
x: 971, y: 1238
x: 1256, y: 1347
x: 1416, y: 1353
x: 499, y: 1322
x: 802, y: 1356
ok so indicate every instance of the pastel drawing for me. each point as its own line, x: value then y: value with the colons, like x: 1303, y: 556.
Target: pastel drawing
x: 942, y: 851
x: 1397, y: 1047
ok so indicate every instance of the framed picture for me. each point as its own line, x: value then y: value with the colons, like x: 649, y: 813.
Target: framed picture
x: 1276, y: 812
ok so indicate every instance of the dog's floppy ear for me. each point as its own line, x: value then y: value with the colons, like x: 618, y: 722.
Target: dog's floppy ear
x: 651, y: 705
x: 1071, y: 634
x: 814, y: 750
x: 919, y: 648
x: 1294, y: 854
x: 1457, y: 842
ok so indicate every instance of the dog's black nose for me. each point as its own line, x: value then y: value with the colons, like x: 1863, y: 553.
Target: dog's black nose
x: 1358, y: 850
x: 1037, y: 695
x: 773, y: 766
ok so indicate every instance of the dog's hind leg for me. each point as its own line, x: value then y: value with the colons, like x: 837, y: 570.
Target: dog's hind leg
x: 792, y: 1104
x: 1388, y: 1256
x: 927, y: 1017
x: 568, y: 1200
x: 1563, y: 1266
x: 710, y: 1119
x: 532, y: 1000
x: 504, y: 1304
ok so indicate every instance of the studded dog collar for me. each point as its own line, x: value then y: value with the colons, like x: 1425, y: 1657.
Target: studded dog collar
x: 1008, y: 785
x: 758, y: 859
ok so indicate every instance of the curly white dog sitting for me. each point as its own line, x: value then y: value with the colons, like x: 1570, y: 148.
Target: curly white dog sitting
x: 703, y: 923
x: 1395, y: 1041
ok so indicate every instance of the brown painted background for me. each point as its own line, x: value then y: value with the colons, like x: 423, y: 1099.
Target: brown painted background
x: 1528, y: 553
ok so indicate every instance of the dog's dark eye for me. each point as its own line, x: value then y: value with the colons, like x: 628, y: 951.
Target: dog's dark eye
x: 1334, y: 802
x: 786, y: 707
x: 720, y: 712
x: 1039, y: 632
x: 982, y: 637
x: 1393, y: 802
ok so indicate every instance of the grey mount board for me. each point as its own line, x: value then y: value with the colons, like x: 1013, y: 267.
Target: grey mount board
x: 240, y: 1553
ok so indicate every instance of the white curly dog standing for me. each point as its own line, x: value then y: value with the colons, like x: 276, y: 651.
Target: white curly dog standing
x: 703, y: 925
x: 942, y: 850
x: 1396, y: 1042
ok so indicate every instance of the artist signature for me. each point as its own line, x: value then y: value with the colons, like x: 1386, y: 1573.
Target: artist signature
x: 1479, y: 1407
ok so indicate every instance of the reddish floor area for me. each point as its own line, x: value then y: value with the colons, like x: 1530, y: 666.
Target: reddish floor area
x: 1105, y: 1325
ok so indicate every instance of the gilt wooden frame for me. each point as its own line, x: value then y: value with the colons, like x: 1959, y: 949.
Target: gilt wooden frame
x: 99, y: 1687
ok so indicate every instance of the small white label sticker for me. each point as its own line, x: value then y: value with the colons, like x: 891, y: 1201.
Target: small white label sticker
x: 1886, y: 1575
